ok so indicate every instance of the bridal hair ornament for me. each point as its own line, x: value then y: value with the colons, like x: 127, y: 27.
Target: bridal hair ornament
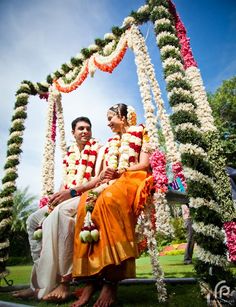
x: 131, y: 116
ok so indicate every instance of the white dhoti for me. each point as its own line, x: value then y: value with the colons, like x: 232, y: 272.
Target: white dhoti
x: 55, y: 262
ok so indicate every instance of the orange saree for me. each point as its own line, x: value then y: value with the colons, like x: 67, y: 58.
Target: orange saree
x: 115, y: 214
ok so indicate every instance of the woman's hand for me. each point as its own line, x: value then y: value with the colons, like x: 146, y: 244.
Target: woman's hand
x: 107, y: 175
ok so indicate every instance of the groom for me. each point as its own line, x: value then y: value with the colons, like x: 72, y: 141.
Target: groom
x: 52, y: 256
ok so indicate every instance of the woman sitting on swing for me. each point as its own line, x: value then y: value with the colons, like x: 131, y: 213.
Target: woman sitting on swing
x: 111, y: 257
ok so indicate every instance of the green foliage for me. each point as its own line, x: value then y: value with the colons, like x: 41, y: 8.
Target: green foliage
x: 207, y: 216
x: 76, y: 62
x: 65, y: 68
x: 172, y: 53
x: 179, y: 229
x: 200, y: 189
x: 181, y: 83
x: 217, y: 273
x: 177, y: 98
x: 23, y: 207
x: 87, y: 52
x: 182, y: 117
x: 215, y: 246
x: 117, y: 31
x: 223, y: 104
x: 19, y: 115
x: 140, y: 17
x: 168, y: 40
x: 197, y: 163
x: 49, y: 79
x: 15, y: 140
x: 17, y: 127
x: 171, y: 69
x: 57, y: 74
x: 165, y: 27
x: 191, y: 136
x: 159, y: 14
x: 11, y: 163
x: 14, y: 260
x: 9, y: 177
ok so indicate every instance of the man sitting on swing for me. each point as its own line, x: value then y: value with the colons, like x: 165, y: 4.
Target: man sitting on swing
x: 52, y: 256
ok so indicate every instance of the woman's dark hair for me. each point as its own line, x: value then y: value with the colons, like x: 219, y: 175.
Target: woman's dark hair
x: 80, y: 119
x: 120, y: 109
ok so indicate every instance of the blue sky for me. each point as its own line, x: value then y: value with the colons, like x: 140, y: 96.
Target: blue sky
x: 38, y: 36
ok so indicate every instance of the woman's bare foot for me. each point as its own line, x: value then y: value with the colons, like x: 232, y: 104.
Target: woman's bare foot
x: 107, y: 296
x: 25, y: 293
x: 87, y: 292
x: 60, y: 293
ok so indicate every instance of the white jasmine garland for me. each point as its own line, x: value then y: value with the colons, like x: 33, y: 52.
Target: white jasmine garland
x: 93, y: 47
x: 128, y: 20
x: 199, y: 202
x: 108, y: 59
x: 16, y: 133
x: 91, y: 66
x: 107, y: 50
x: 79, y: 56
x: 144, y: 89
x: 197, y: 176
x: 172, y: 61
x: 162, y: 214
x: 209, y: 230
x: 207, y: 256
x: 23, y: 95
x: 168, y: 48
x: 193, y: 149
x: 172, y: 152
x: 187, y: 126
x: 49, y: 149
x: 6, y: 199
x: 203, y: 109
x: 12, y: 157
x: 165, y: 34
x: 143, y: 9
x: 60, y: 124
x: 24, y: 86
x: 178, y: 90
x: 17, y: 121
x: 153, y: 252
x: 189, y: 107
x: 62, y: 83
x: 8, y: 184
x: 110, y: 36
x: 4, y: 244
x: 161, y: 8
x: 161, y: 21
x: 3, y: 259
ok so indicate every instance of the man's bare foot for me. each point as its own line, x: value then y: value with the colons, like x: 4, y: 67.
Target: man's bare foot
x: 87, y: 292
x: 25, y: 293
x: 60, y: 293
x: 107, y: 296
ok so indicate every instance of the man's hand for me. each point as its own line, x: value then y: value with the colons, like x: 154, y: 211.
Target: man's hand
x: 58, y: 198
x: 107, y: 175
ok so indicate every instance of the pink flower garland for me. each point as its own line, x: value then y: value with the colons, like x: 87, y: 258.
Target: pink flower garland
x: 158, y: 164
x: 54, y: 124
x: 184, y: 41
x: 177, y: 170
x: 230, y: 230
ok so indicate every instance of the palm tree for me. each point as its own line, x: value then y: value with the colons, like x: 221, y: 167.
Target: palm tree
x: 23, y: 207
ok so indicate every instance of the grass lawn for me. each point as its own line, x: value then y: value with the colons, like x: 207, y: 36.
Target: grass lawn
x: 131, y: 295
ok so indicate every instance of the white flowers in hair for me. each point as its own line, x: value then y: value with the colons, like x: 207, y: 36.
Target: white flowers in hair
x: 131, y: 116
